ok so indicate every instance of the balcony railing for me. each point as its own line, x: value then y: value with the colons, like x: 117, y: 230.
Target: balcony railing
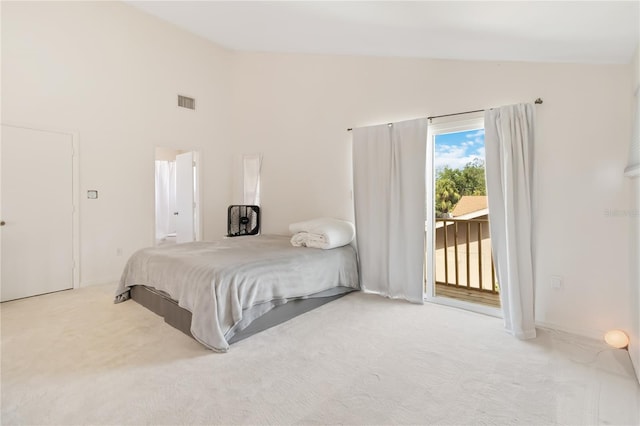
x: 463, y: 255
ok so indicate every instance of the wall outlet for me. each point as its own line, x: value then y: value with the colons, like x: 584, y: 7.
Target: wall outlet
x: 556, y: 282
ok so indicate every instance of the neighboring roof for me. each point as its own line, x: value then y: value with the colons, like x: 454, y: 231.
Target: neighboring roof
x: 469, y: 204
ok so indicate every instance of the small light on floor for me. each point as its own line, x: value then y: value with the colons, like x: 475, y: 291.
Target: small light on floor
x: 617, y: 339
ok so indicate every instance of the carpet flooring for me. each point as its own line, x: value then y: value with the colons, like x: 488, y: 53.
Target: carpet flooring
x: 74, y: 358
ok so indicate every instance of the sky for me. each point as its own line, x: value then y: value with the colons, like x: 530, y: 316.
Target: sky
x: 457, y: 149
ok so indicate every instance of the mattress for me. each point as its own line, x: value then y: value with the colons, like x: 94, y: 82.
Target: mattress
x: 227, y: 284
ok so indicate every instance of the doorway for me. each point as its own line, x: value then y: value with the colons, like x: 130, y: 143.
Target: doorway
x: 460, y: 270
x: 177, y: 196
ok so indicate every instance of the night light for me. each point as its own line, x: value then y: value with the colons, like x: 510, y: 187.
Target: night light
x: 617, y: 339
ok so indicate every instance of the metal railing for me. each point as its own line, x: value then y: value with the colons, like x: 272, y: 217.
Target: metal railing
x: 472, y: 255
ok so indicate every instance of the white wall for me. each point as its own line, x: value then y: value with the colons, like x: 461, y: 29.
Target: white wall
x: 296, y: 108
x: 634, y: 238
x: 112, y: 74
x: 167, y: 154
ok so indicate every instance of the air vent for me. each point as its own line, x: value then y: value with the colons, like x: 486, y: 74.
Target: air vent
x: 186, y: 102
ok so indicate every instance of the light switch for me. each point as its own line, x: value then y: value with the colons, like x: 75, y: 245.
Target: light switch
x: 92, y: 194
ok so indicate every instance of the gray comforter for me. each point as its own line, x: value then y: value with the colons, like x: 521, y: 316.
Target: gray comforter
x: 224, y: 282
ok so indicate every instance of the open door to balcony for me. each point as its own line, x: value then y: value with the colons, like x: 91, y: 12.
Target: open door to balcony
x: 459, y: 266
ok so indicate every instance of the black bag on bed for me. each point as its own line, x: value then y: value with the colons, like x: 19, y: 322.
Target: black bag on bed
x: 243, y: 220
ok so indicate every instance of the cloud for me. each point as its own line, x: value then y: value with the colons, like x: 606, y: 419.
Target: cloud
x: 475, y: 135
x: 475, y: 138
x: 457, y: 152
x: 455, y: 156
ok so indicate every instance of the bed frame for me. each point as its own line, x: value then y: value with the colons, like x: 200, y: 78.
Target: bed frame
x: 180, y: 318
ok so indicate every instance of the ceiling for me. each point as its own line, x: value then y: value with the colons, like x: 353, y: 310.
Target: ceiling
x: 538, y: 31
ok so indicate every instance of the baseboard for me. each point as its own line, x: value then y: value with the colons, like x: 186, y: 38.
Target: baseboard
x: 591, y: 334
x: 99, y: 282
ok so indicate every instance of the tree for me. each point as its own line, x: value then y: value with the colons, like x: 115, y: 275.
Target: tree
x: 473, y: 181
x: 447, y: 196
x: 452, y: 184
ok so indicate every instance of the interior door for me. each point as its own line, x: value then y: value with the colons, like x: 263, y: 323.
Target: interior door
x: 185, y: 199
x: 36, y: 212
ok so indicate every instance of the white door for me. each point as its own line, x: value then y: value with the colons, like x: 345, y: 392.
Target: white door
x: 185, y: 199
x: 36, y: 210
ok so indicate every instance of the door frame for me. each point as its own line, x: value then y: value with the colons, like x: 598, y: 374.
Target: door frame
x: 197, y: 159
x: 75, y: 188
x: 445, y: 125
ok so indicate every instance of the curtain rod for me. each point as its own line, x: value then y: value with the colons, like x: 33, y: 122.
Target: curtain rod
x: 537, y: 101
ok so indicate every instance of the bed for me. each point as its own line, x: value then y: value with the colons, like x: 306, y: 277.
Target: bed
x: 223, y: 291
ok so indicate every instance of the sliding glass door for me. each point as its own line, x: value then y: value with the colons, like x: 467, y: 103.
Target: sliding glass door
x: 459, y: 266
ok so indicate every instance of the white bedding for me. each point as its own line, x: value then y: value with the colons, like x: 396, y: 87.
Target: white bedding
x: 325, y: 233
x: 219, y: 281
